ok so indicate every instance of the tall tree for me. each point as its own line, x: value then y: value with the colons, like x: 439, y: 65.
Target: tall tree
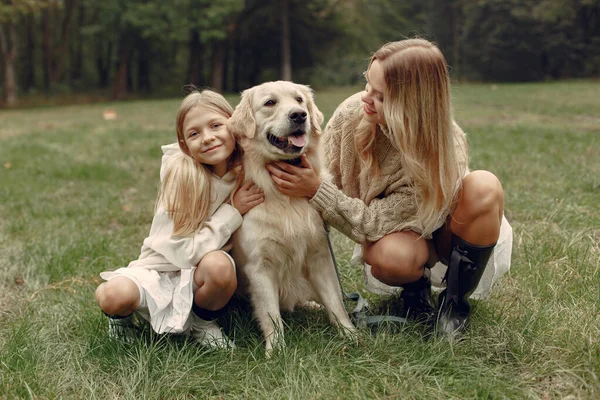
x: 195, y: 70
x: 524, y: 40
x: 286, y: 53
x: 217, y: 32
x: 12, y: 13
x: 76, y: 48
x: 444, y: 25
x: 8, y: 49
x: 57, y: 23
x: 29, y: 59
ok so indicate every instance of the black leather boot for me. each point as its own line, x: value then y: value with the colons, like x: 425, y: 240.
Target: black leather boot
x: 465, y: 269
x: 416, y: 299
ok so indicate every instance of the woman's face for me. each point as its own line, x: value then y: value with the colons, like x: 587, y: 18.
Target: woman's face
x: 373, y: 95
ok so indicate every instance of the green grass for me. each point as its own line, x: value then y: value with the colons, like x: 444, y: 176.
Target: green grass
x: 77, y: 194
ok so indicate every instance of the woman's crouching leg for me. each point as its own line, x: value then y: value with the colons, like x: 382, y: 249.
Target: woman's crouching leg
x: 397, y: 258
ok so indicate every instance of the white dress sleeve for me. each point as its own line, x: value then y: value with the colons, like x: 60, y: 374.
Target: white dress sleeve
x: 186, y: 251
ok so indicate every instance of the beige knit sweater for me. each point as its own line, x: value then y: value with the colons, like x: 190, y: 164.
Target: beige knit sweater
x: 366, y: 209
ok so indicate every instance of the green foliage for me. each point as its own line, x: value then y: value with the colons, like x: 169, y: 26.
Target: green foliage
x: 165, y: 45
x: 315, y: 29
x: 11, y: 10
x: 360, y: 27
x: 530, y: 40
x: 499, y: 46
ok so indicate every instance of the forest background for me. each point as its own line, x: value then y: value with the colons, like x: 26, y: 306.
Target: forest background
x: 81, y: 50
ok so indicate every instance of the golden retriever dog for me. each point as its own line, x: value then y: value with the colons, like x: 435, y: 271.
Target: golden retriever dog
x: 281, y: 248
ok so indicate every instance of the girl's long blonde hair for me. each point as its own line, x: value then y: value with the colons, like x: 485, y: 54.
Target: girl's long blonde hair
x: 185, y: 190
x: 418, y: 114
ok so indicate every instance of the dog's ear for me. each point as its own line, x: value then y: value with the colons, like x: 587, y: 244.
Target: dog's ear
x: 316, y: 116
x: 242, y: 123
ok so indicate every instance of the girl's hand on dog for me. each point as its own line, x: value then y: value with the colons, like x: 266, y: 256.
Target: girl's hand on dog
x: 295, y: 181
x: 248, y: 196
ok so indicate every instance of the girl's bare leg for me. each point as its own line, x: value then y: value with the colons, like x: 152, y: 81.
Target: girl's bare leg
x: 119, y: 296
x: 216, y: 281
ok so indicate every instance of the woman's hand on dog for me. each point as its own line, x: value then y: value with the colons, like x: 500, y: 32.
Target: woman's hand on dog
x: 248, y: 196
x: 295, y: 181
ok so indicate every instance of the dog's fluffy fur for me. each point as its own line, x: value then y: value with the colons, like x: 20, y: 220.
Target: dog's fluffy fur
x: 281, y: 249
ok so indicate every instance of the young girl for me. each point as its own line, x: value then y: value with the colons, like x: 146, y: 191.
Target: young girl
x: 402, y: 188
x: 184, y: 266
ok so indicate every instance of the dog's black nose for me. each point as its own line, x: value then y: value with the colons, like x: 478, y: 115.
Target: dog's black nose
x: 298, y: 116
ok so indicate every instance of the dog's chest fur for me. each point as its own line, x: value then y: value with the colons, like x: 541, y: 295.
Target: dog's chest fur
x: 278, y: 237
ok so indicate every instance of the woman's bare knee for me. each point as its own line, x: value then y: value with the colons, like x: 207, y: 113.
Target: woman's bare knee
x: 397, y: 258
x: 478, y: 214
x: 119, y: 296
x: 481, y: 194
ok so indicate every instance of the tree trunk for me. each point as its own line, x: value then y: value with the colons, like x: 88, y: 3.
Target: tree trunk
x: 217, y: 63
x: 54, y: 53
x: 29, y: 74
x: 130, y: 78
x: 237, y: 50
x: 195, y: 75
x: 286, y: 57
x: 77, y: 51
x: 143, y: 66
x: 120, y: 82
x: 8, y: 48
x: 103, y: 56
x: 229, y: 44
x: 441, y: 24
x: 46, y: 47
x: 457, y: 24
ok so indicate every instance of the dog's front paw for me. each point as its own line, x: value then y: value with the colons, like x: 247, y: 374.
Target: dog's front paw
x: 349, y: 332
x: 273, y: 343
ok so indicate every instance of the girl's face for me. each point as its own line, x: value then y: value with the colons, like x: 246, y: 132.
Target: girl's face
x: 208, y: 139
x: 373, y: 94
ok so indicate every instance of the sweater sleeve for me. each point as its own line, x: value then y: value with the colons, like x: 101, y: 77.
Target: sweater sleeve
x: 392, y: 213
x: 186, y: 251
x: 393, y: 210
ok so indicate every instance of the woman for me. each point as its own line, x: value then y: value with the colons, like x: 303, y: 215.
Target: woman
x: 401, y: 187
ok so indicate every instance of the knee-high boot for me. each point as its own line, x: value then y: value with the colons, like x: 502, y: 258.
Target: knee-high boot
x: 465, y: 269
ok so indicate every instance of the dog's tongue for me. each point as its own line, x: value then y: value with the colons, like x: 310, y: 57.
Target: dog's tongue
x: 298, y: 141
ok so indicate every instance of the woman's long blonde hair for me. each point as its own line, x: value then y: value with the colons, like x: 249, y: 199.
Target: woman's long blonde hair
x: 418, y: 114
x: 185, y: 190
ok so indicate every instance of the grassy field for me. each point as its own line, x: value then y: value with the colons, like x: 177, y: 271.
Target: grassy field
x: 77, y: 195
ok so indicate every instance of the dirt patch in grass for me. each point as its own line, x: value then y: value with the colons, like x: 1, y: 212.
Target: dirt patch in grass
x: 12, y: 297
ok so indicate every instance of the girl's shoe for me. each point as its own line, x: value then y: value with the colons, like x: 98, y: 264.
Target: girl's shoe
x: 122, y: 328
x: 209, y: 334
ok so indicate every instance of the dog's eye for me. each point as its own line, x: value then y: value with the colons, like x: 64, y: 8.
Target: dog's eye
x: 299, y: 99
x: 270, y: 103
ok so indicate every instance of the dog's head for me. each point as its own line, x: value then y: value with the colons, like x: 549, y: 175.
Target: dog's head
x: 278, y: 119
